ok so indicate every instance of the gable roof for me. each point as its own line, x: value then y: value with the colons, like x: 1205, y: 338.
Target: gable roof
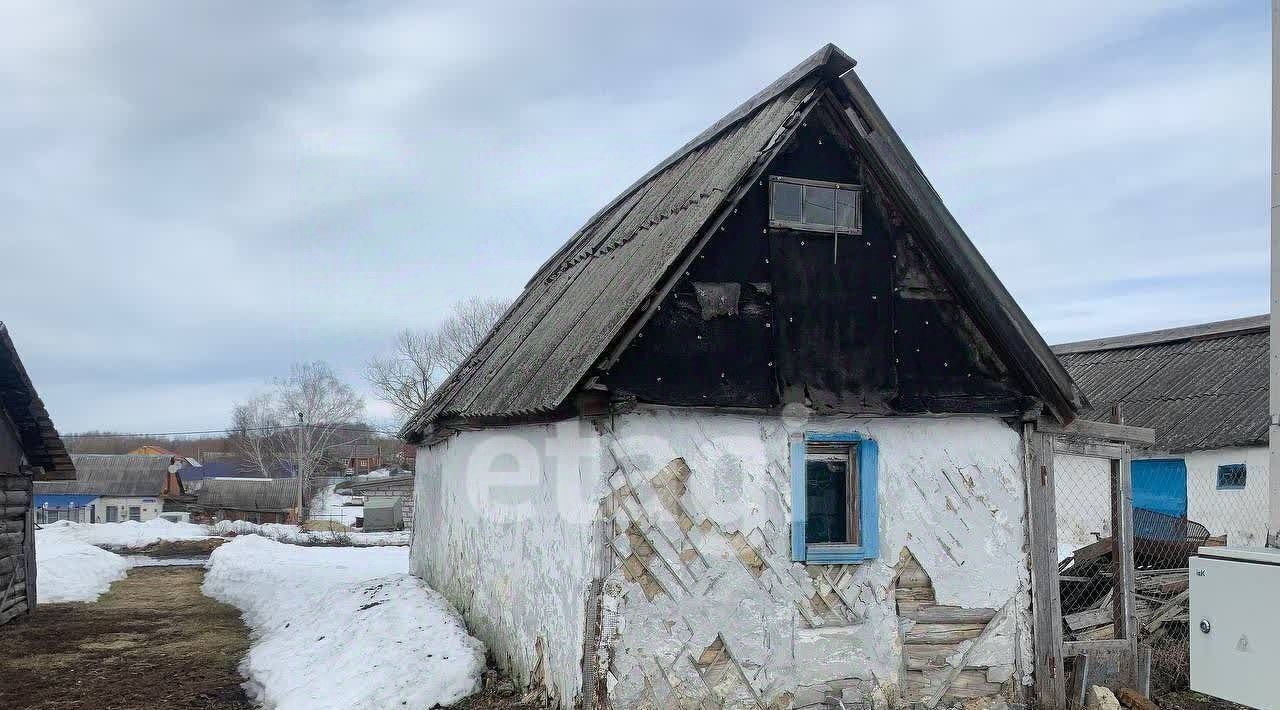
x: 585, y: 303
x: 262, y: 494
x: 127, y: 475
x: 1200, y: 387
x: 18, y: 399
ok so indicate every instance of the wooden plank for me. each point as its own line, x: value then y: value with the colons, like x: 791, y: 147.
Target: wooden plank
x: 1099, y: 430
x: 943, y: 633
x: 1089, y: 449
x: 13, y: 613
x: 1090, y: 618
x: 913, y: 576
x: 928, y: 656
x: 8, y: 498
x: 1046, y: 607
x: 950, y: 615
x: 1125, y: 609
x: 31, y: 561
x: 971, y: 684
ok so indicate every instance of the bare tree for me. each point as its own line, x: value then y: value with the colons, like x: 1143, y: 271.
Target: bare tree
x: 420, y: 359
x: 295, y: 423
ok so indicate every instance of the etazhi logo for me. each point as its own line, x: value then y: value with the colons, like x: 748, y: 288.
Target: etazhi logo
x: 1243, y: 643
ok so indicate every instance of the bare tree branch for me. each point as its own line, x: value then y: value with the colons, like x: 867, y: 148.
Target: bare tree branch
x: 421, y: 359
x: 296, y: 423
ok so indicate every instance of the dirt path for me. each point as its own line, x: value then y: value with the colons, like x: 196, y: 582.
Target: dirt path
x: 153, y: 641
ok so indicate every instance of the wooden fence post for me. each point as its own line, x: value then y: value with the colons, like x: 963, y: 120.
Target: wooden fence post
x: 1046, y: 604
x: 1126, y: 611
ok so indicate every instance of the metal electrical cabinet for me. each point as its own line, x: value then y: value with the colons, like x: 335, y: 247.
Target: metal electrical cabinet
x: 1235, y: 625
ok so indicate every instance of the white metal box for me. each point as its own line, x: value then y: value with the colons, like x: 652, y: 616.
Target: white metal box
x: 1235, y: 625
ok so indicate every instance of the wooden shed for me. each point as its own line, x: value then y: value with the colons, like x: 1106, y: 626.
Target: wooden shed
x: 30, y: 449
x: 258, y: 500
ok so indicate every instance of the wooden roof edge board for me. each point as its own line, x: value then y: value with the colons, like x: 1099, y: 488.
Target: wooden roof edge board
x: 49, y: 446
x: 829, y: 59
x: 993, y: 306
x: 739, y: 189
x: 1215, y: 329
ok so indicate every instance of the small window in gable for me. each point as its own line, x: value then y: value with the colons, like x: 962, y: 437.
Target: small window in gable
x: 815, y: 206
x: 1231, y: 476
x: 834, y: 509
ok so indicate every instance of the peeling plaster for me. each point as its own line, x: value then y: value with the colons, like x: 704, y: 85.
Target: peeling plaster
x: 701, y: 598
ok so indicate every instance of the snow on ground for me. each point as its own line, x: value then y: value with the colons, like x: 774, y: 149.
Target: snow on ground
x: 70, y: 570
x: 328, y: 505
x: 293, y: 534
x: 128, y: 534
x: 340, y: 627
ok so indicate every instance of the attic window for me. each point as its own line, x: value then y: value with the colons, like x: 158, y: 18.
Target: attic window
x: 833, y: 487
x: 1231, y: 476
x: 815, y: 205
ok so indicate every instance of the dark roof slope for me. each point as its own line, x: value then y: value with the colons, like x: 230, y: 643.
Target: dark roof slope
x: 262, y: 494
x: 130, y: 475
x: 40, y: 440
x: 580, y: 301
x: 1200, y: 387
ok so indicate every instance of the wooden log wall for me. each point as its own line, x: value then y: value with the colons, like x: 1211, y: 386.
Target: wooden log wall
x: 934, y: 647
x: 17, y: 547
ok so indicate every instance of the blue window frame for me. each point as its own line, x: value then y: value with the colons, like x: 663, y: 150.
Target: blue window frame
x: 829, y: 525
x: 1231, y: 477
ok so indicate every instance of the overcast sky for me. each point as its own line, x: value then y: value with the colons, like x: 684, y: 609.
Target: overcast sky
x: 197, y: 194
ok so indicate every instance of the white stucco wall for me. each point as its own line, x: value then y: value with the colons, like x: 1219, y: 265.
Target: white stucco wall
x: 1242, y: 515
x: 951, y: 491
x: 503, y: 520
x: 151, y: 507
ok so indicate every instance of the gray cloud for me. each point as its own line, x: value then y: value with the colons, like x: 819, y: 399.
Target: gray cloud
x: 197, y: 194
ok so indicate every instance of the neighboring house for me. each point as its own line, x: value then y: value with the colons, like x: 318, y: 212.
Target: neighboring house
x: 1204, y: 389
x: 768, y: 385
x: 360, y: 458
x: 30, y: 449
x: 406, y: 457
x: 124, y: 486
x: 388, y: 487
x: 257, y: 500
x: 193, y: 477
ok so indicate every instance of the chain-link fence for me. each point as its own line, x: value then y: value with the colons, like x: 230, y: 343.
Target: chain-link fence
x: 76, y: 514
x: 1183, y: 502
x: 1087, y: 572
x: 1180, y: 503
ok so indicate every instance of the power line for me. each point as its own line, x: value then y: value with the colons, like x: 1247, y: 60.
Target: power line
x: 276, y: 427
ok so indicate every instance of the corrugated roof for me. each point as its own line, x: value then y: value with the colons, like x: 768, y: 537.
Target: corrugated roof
x: 129, y: 475
x: 580, y: 303
x: 262, y: 495
x: 1200, y: 387
x: 355, y: 451
x: 40, y: 440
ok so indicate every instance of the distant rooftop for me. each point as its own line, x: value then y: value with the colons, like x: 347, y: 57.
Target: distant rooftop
x: 1200, y: 386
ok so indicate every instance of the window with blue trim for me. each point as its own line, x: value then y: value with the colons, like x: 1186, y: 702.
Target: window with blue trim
x: 1231, y: 476
x: 833, y: 498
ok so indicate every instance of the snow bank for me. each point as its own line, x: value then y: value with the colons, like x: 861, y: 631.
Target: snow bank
x: 339, y: 627
x: 295, y: 535
x: 69, y: 570
x: 129, y: 534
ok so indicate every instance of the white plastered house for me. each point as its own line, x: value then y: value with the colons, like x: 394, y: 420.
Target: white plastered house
x: 753, y: 437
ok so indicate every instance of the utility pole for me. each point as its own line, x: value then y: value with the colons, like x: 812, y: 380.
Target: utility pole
x: 297, y: 473
x: 1274, y: 401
